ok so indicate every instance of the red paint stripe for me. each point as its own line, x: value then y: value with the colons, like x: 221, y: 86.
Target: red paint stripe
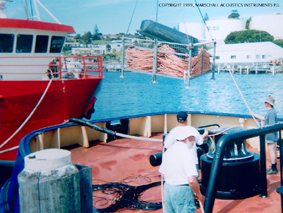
x: 35, y: 25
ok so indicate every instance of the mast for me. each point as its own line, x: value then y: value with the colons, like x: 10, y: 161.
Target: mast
x: 34, y: 14
x: 3, y: 8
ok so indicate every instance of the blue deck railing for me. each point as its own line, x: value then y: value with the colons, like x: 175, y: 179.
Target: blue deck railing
x: 219, y: 155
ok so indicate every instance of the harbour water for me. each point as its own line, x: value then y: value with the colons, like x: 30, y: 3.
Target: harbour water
x: 136, y: 94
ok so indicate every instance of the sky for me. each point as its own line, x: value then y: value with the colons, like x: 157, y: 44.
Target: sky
x: 114, y: 16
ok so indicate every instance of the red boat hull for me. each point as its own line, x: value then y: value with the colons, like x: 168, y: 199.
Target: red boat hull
x: 65, y: 98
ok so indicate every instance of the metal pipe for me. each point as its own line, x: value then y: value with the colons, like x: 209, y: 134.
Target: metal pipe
x: 36, y: 11
x: 219, y: 154
x: 154, y: 61
x: 203, y: 43
x: 213, y: 64
x: 281, y: 164
x: 156, y: 12
x: 123, y: 57
x: 189, y: 66
x: 281, y: 157
x: 263, y: 179
x: 201, y: 69
x: 110, y: 132
x: 48, y: 12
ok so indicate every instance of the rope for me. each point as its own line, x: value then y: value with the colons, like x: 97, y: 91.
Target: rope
x: 243, y: 98
x: 207, y: 28
x: 201, y: 207
x: 29, y: 116
x: 102, y: 129
x: 162, y: 182
x: 126, y: 196
x: 132, y: 16
x: 9, y: 149
x: 220, y: 132
x: 138, y: 138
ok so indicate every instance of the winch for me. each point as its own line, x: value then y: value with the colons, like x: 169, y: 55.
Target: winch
x: 239, y: 176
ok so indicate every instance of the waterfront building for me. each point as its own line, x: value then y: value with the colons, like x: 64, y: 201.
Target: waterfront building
x: 249, y: 57
x: 220, y: 28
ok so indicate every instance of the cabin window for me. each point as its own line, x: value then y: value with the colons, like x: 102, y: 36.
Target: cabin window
x: 24, y: 43
x: 233, y: 57
x: 41, y: 44
x: 6, y: 43
x: 56, y: 44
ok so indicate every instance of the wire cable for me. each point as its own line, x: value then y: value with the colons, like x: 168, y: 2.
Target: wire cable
x: 196, y: 4
x: 243, y: 98
x: 134, y: 10
x: 29, y: 116
x: 105, y: 130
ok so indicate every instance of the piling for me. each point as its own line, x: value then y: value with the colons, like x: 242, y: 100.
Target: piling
x: 86, y: 188
x: 51, y: 183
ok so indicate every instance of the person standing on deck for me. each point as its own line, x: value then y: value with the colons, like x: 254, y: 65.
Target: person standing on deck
x: 182, y: 127
x: 271, y: 138
x: 180, y: 175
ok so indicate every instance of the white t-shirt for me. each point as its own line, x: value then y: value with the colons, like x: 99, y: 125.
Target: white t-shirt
x: 170, y: 139
x: 178, y: 164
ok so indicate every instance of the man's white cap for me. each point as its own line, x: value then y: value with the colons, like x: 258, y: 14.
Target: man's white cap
x: 270, y: 100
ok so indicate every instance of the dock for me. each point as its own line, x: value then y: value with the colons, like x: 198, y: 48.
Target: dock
x: 249, y: 68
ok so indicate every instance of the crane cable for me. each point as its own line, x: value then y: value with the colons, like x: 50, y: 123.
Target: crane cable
x: 26, y: 120
x: 243, y: 98
x: 132, y: 16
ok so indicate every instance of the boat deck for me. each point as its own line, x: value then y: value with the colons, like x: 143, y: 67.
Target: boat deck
x: 127, y: 161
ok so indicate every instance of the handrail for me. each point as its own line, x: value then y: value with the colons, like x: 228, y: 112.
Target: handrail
x: 219, y: 154
x: 87, y: 64
x: 56, y: 66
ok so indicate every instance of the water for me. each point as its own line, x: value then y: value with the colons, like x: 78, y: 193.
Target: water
x: 136, y: 94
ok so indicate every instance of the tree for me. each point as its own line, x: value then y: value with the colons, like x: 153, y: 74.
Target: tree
x: 67, y: 48
x: 78, y: 37
x: 248, y: 36
x: 248, y: 22
x: 108, y: 47
x: 234, y: 14
x: 96, y: 30
x: 279, y: 42
x: 96, y: 35
x: 86, y: 38
x: 206, y: 17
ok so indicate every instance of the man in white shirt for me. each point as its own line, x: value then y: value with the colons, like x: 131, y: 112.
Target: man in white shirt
x: 179, y: 170
x: 182, y: 127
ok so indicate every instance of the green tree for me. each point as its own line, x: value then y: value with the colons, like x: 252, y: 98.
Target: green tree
x: 96, y: 35
x: 86, y: 38
x: 248, y: 36
x: 234, y: 14
x: 248, y: 22
x: 96, y: 30
x: 279, y: 42
x: 66, y: 48
x: 78, y: 37
x: 108, y: 47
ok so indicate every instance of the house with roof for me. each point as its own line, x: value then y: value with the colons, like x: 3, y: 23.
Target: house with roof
x: 220, y: 28
x: 249, y: 57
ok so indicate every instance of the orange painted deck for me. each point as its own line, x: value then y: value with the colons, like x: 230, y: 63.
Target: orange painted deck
x: 127, y: 161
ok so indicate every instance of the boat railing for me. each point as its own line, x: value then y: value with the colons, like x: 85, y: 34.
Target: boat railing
x: 47, y: 67
x: 223, y: 142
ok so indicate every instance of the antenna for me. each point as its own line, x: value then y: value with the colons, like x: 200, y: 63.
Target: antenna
x: 34, y: 6
x: 3, y: 8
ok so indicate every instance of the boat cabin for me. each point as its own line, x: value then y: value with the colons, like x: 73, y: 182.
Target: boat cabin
x: 23, y: 41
